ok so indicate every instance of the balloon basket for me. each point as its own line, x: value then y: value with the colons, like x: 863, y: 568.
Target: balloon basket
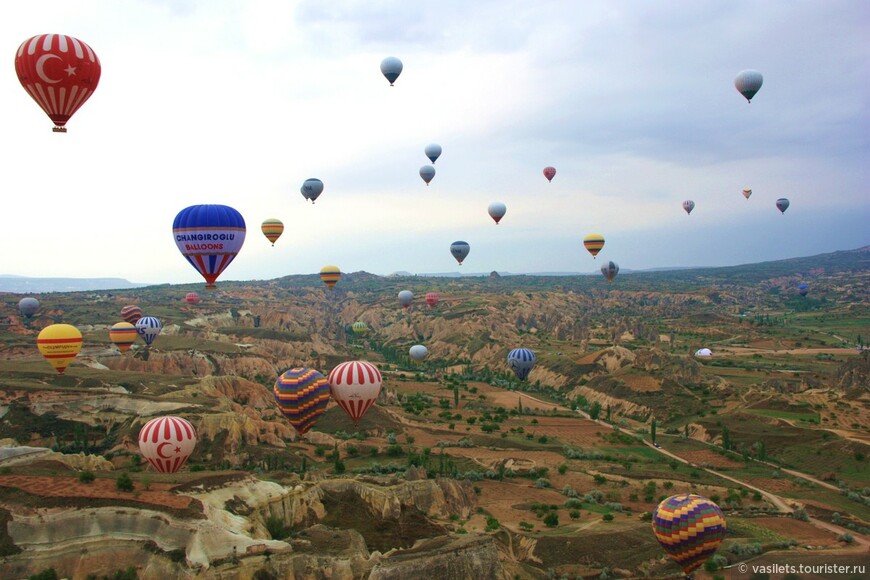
x: 58, y: 129
x: 211, y: 287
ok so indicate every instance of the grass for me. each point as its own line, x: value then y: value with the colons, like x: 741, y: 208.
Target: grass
x: 791, y: 415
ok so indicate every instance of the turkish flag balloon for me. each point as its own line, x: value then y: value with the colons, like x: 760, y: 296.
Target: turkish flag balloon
x: 167, y: 442
x: 60, y: 73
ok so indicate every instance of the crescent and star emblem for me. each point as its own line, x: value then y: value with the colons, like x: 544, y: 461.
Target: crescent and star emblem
x: 160, y: 450
x: 40, y: 70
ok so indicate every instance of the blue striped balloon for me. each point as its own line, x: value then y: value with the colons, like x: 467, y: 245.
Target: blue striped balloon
x: 521, y: 361
x: 210, y: 237
x: 148, y: 328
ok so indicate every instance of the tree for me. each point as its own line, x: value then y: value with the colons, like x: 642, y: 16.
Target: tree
x: 551, y: 520
x: 124, y: 483
x: 726, y: 438
x: 595, y: 410
x: 456, y: 396
x: 608, y: 412
x: 652, y: 429
x: 686, y: 431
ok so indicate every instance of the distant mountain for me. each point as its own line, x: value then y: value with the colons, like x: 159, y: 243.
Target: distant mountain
x: 26, y: 285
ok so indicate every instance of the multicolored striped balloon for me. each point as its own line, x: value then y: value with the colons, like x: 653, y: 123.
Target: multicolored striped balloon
x: 209, y: 236
x: 355, y: 385
x: 148, y: 327
x: 272, y: 229
x: 131, y: 313
x: 330, y: 275
x: 59, y: 344
x: 594, y: 243
x: 123, y: 335
x: 167, y: 442
x: 690, y: 528
x: 302, y: 395
x: 521, y: 361
x: 360, y: 328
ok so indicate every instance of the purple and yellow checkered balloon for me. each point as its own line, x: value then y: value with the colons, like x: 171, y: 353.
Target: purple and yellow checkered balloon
x: 302, y: 395
x: 689, y: 528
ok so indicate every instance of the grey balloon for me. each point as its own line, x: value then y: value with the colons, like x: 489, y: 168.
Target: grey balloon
x: 418, y: 352
x: 391, y: 68
x: 405, y: 297
x: 610, y: 270
x: 28, y: 306
x: 782, y: 204
x: 748, y: 82
x: 427, y: 172
x: 312, y: 188
x: 433, y: 151
x: 460, y: 250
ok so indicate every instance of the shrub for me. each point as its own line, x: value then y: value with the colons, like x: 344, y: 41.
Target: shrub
x: 607, y: 517
x: 551, y: 520
x: 124, y: 483
x: 847, y: 537
x: 542, y: 482
x: 573, y: 503
x: 86, y: 477
x: 275, y: 527
x: 800, y: 514
x: 574, y: 514
x: 527, y: 525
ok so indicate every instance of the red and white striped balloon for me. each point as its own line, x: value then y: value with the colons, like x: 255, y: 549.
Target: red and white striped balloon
x: 355, y: 385
x: 167, y: 442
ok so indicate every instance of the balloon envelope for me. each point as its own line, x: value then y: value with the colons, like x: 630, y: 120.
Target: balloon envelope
x: 418, y: 352
x: 272, y: 229
x: 191, y: 298
x: 131, y: 313
x: 593, y: 243
x: 427, y: 172
x: 688, y: 205
x: 782, y: 204
x: 747, y: 192
x: 59, y: 72
x: 167, y: 442
x: 703, y: 352
x: 549, y: 173
x: 748, y: 82
x: 432, y: 299
x: 330, y: 275
x: 496, y: 211
x: 610, y: 270
x: 210, y: 237
x: 302, y: 395
x: 460, y: 250
x: 148, y: 328
x: 28, y: 306
x: 803, y: 289
x: 360, y: 328
x: 521, y: 361
x: 433, y: 151
x: 391, y: 68
x: 689, y: 528
x: 405, y: 298
x: 355, y: 386
x: 123, y: 335
x: 59, y: 344
x: 312, y: 188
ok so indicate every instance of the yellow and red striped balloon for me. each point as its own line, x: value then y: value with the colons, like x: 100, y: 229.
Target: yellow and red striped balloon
x: 123, y: 335
x: 272, y: 229
x: 302, y: 395
x: 594, y: 243
x: 690, y: 528
x: 59, y: 344
x: 330, y: 275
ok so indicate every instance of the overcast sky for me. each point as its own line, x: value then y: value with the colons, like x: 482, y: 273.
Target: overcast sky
x: 633, y: 102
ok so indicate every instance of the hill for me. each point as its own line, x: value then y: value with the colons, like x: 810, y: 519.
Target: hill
x: 27, y: 285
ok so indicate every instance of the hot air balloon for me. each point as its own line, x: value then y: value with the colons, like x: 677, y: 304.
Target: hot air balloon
x: 418, y: 352
x: 360, y: 328
x: 432, y: 299
x: 610, y: 270
x: 167, y: 442
x: 782, y: 204
x: 312, y: 188
x: 748, y: 82
x: 59, y: 344
x: 496, y: 211
x: 594, y: 243
x: 28, y: 306
x: 688, y: 205
x: 355, y: 385
x: 460, y: 250
x: 123, y: 335
x: 272, y: 228
x: 427, y: 172
x: 131, y: 313
x: 703, y: 353
x: 148, y: 328
x: 330, y: 275
x: 433, y: 151
x: 689, y: 528
x: 391, y: 67
x: 210, y: 237
x: 302, y: 395
x: 405, y: 297
x: 191, y: 298
x: 803, y: 289
x: 747, y: 192
x: 549, y: 173
x: 521, y: 361
x: 59, y: 72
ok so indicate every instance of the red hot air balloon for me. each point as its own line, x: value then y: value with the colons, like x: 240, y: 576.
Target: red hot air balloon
x: 59, y: 72
x: 432, y: 299
x: 191, y: 298
x: 167, y: 442
x: 355, y: 385
x: 549, y: 173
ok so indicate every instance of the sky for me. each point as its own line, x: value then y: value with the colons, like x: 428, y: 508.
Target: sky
x: 633, y: 102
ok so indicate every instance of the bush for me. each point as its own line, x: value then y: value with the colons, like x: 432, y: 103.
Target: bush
x: 573, y: 503
x: 607, y: 517
x: 86, y: 477
x: 847, y: 538
x: 527, y: 525
x: 551, y: 520
x: 275, y: 527
x: 574, y: 514
x: 542, y: 482
x: 124, y: 483
x: 492, y: 524
x: 800, y: 514
x: 49, y: 574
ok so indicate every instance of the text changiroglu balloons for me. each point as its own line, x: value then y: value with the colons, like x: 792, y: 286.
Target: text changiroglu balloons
x: 209, y: 236
x: 355, y: 386
x: 689, y: 528
x: 167, y: 442
x: 302, y: 395
x: 59, y: 72
x: 59, y: 344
